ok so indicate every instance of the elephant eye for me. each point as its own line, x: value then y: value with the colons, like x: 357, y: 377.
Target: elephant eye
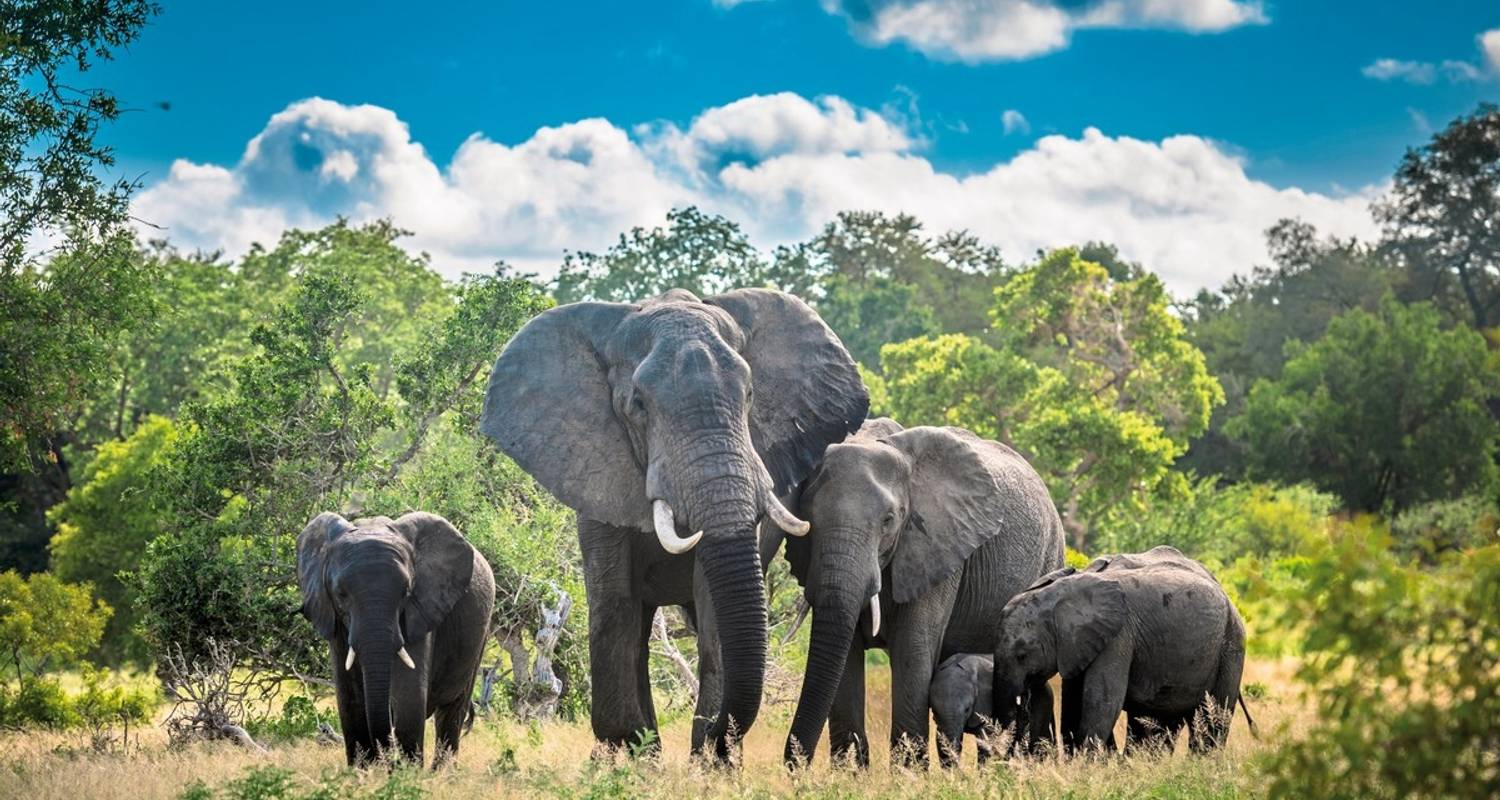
x: 637, y: 404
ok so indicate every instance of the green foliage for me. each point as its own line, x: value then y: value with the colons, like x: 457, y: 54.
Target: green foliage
x: 41, y: 702
x: 1387, y: 410
x: 1439, y: 216
x: 59, y: 321
x: 299, y: 718
x: 1090, y: 378
x: 278, y: 783
x: 1429, y: 531
x: 702, y: 253
x: 106, y: 522
x: 1402, y: 666
x: 47, y: 624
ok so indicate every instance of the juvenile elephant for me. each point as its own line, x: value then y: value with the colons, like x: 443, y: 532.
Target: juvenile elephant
x: 672, y: 426
x: 961, y: 697
x: 1152, y: 634
x: 405, y: 606
x: 931, y: 529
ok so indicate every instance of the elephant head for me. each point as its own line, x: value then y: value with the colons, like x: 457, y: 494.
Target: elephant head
x: 961, y: 699
x: 1058, y: 625
x: 376, y: 587
x: 688, y: 418
x: 912, y: 505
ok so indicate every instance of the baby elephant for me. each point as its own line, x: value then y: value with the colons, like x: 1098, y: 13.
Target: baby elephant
x: 1151, y: 633
x: 405, y: 606
x: 960, y: 697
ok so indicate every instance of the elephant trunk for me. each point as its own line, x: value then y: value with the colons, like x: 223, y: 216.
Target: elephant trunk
x: 835, y: 615
x: 376, y: 670
x: 1010, y: 698
x: 726, y: 508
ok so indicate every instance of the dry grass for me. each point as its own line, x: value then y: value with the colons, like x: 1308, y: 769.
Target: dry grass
x: 505, y: 759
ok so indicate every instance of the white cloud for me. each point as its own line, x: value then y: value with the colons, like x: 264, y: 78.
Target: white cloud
x: 781, y: 165
x: 1489, y: 43
x: 1014, y: 122
x: 1452, y: 70
x: 1390, y: 69
x: 1000, y: 30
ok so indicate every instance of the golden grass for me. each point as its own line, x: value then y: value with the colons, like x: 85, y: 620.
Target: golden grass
x: 507, y: 759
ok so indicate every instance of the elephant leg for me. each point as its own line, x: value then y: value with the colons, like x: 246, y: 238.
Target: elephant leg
x: 349, y: 694
x: 710, y: 668
x: 643, y: 678
x: 617, y: 645
x: 449, y: 721
x: 1218, y: 707
x: 846, y: 720
x: 916, y: 640
x: 1041, y: 730
x: 1072, y: 711
x: 1104, y: 686
x: 409, y: 706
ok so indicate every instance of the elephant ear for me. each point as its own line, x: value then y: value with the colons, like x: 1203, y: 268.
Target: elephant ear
x: 312, y: 563
x: 808, y: 393
x: 443, y: 565
x: 1089, y: 612
x: 963, y: 491
x: 549, y: 408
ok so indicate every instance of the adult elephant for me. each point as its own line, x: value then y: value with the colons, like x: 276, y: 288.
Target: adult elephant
x: 931, y: 530
x: 405, y: 606
x: 671, y: 426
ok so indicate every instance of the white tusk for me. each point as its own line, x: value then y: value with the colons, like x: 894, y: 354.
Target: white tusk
x: 406, y: 658
x: 666, y: 530
x: 784, y: 519
x: 1018, y: 699
x: 349, y: 660
x: 874, y: 615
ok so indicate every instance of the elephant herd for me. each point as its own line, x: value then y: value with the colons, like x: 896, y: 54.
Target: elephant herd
x: 693, y: 438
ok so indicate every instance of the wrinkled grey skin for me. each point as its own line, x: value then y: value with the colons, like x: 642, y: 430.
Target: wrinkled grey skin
x: 961, y: 696
x: 944, y: 527
x: 708, y: 405
x: 1152, y: 634
x: 378, y: 585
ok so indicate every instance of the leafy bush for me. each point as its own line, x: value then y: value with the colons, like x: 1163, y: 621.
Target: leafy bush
x: 277, y: 783
x: 1402, y: 666
x: 299, y: 718
x: 46, y: 623
x: 1428, y: 531
x: 41, y: 702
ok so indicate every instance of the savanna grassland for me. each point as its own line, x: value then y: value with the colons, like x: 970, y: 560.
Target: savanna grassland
x: 504, y: 758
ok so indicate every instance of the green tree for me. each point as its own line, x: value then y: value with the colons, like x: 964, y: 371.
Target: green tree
x: 1090, y: 378
x: 106, y: 522
x: 1243, y: 328
x: 702, y: 253
x: 1387, y: 410
x: 58, y: 321
x: 47, y: 624
x: 1440, y: 216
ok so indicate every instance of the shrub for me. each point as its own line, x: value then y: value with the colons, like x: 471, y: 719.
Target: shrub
x: 46, y: 623
x: 1428, y: 531
x: 1402, y: 666
x: 41, y: 702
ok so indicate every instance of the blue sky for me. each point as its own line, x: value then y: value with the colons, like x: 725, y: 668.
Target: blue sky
x: 1206, y: 113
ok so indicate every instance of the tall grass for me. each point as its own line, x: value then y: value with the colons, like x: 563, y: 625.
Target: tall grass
x: 504, y: 758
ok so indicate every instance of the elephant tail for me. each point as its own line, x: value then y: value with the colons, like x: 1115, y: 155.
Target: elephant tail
x: 1254, y: 731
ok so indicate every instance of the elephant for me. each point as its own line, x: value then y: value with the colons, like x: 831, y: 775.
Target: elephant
x: 961, y: 695
x: 930, y: 528
x: 660, y: 418
x: 1152, y: 634
x: 382, y: 591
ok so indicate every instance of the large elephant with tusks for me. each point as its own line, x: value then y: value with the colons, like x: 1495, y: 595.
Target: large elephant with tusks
x: 672, y: 426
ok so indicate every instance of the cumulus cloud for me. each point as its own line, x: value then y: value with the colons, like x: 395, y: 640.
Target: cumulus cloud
x: 1000, y: 30
x: 782, y: 165
x: 1489, y: 42
x: 1014, y: 122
